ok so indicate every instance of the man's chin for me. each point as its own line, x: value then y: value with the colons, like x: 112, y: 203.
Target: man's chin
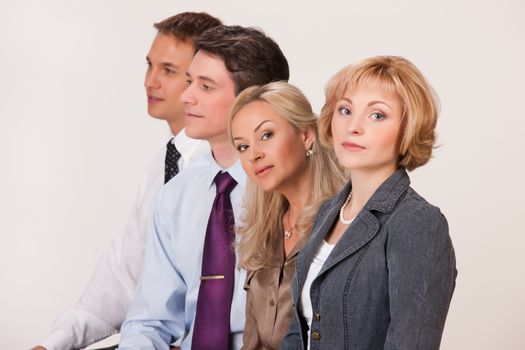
x: 156, y: 114
x: 195, y: 133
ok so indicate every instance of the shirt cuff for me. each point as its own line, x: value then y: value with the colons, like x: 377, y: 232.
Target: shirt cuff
x: 58, y: 340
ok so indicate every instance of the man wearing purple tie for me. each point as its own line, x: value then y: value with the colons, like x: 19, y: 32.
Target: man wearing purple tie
x: 190, y: 288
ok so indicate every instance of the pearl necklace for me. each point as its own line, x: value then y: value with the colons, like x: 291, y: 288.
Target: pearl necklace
x: 341, y: 212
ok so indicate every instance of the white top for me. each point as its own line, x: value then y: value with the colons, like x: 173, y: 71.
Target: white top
x: 103, y: 306
x: 166, y: 301
x: 317, y: 263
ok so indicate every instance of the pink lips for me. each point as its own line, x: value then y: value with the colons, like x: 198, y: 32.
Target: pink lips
x: 153, y: 99
x: 352, y: 147
x: 192, y: 115
x: 263, y: 170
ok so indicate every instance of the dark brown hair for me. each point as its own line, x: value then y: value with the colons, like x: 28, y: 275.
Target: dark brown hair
x: 251, y: 56
x: 186, y: 26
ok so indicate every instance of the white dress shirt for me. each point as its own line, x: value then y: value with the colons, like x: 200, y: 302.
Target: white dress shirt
x: 103, y: 306
x: 165, y: 304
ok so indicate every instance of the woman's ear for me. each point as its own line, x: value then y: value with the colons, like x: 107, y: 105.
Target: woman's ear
x: 308, y: 138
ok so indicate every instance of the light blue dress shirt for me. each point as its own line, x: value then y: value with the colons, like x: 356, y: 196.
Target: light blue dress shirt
x: 166, y: 300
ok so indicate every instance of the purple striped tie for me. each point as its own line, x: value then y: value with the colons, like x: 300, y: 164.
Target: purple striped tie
x: 212, y: 319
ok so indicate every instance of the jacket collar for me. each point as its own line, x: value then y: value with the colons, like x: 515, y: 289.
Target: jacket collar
x: 385, y: 197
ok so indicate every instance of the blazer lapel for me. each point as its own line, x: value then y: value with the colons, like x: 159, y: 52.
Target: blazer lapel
x: 327, y: 216
x: 364, y: 227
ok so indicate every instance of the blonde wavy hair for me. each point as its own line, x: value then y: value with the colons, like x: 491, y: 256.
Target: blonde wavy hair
x: 262, y: 222
x: 400, y: 76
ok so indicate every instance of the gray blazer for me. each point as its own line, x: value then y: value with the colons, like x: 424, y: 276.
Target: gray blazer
x: 387, y: 283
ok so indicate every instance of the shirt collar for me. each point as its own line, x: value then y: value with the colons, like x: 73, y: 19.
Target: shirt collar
x: 236, y: 171
x: 186, y: 145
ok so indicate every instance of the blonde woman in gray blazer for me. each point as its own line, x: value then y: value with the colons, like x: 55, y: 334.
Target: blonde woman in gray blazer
x: 379, y: 269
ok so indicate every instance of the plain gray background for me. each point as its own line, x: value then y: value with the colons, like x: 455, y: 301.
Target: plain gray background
x: 74, y: 136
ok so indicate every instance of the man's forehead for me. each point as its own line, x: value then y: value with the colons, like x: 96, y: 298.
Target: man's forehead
x: 168, y: 47
x: 171, y: 40
x: 206, y: 66
x: 203, y: 61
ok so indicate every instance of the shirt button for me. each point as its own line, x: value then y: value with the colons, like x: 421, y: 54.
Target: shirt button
x: 272, y: 303
x: 317, y: 316
x: 316, y: 335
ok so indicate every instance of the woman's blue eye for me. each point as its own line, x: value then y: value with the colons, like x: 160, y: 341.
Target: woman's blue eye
x: 266, y: 135
x: 377, y: 116
x: 242, y: 147
x: 344, y: 111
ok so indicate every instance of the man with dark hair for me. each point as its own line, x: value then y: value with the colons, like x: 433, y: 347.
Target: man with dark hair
x: 237, y: 46
x: 187, y: 26
x: 168, y: 59
x: 102, y: 308
x: 190, y: 287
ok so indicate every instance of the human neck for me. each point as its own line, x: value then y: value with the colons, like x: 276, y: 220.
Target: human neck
x: 224, y: 153
x: 364, y: 184
x: 297, y: 195
x: 176, y: 126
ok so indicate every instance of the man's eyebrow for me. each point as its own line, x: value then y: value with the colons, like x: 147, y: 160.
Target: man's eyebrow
x: 164, y: 64
x: 169, y: 65
x: 203, y: 78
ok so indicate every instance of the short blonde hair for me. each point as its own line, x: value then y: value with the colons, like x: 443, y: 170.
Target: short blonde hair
x: 400, y: 76
x: 262, y: 221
